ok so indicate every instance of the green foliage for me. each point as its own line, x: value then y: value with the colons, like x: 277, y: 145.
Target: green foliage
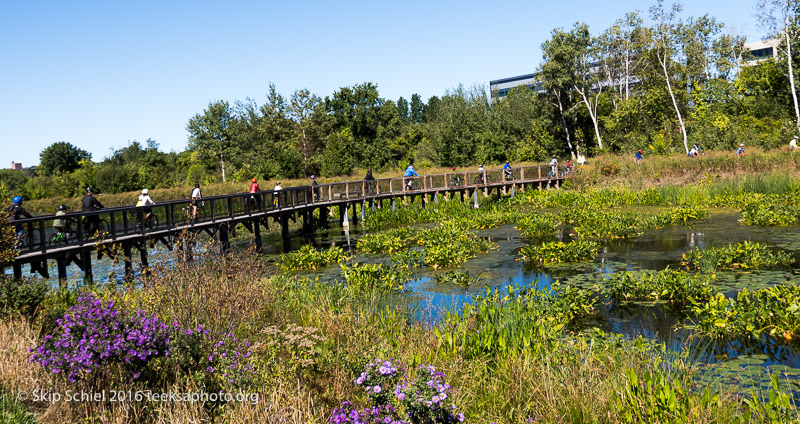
x: 517, y: 321
x: 774, y: 312
x: 22, y: 297
x: 61, y: 157
x: 8, y: 239
x: 778, y: 407
x: 369, y: 278
x: 667, y: 285
x: 770, y: 212
x: 536, y: 225
x: 744, y: 255
x: 390, y: 241
x: 307, y: 257
x: 558, y: 252
x: 448, y: 245
x: 456, y: 277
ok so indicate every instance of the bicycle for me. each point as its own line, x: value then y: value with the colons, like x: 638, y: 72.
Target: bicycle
x: 479, y: 179
x: 199, y: 215
x: 509, y: 176
x: 411, y: 184
x: 455, y: 182
x: 63, y: 237
x: 29, y: 239
x: 150, y: 221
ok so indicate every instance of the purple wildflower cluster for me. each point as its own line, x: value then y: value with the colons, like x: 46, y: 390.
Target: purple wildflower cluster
x: 421, y: 399
x: 229, y: 361
x: 94, y: 334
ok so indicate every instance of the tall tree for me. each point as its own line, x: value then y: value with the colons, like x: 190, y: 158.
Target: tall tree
x: 778, y: 17
x: 210, y: 132
x: 301, y: 109
x: 416, y: 109
x: 61, y: 157
x: 558, y: 77
x: 667, y: 33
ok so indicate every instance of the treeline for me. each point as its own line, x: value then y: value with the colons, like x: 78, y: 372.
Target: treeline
x: 659, y: 85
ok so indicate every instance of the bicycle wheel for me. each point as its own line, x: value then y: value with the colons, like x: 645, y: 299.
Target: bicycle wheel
x: 455, y: 182
x: 152, y: 223
x: 488, y: 179
x: 201, y: 214
x: 102, y: 226
x: 478, y: 180
x: 54, y: 239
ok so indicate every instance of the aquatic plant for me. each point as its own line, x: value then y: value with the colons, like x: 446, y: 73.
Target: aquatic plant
x: 393, y: 240
x: 307, y: 257
x: 515, y: 320
x: 773, y: 212
x: 557, y: 252
x: 669, y: 285
x: 536, y: 224
x: 375, y: 277
x: 448, y: 244
x: 744, y: 255
x: 774, y: 311
x: 456, y: 277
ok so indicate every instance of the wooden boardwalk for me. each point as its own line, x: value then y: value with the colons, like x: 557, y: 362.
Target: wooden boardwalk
x: 120, y: 227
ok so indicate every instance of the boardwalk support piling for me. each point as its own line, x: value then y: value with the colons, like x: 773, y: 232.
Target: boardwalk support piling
x: 257, y: 233
x: 126, y: 258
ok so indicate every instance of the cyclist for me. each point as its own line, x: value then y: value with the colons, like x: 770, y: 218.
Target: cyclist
x: 314, y: 187
x: 507, y: 171
x: 693, y: 152
x: 15, y: 212
x: 60, y: 223
x: 88, y: 204
x: 480, y: 179
x: 276, y: 192
x: 567, y: 167
x: 369, y: 181
x: 638, y: 157
x: 699, y: 149
x: 410, y: 173
x: 145, y: 201
x: 740, y: 150
x: 254, y: 189
x: 554, y: 166
x: 195, y: 196
x: 456, y: 180
x: 793, y: 143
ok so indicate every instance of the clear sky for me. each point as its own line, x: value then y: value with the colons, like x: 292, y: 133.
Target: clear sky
x: 101, y: 74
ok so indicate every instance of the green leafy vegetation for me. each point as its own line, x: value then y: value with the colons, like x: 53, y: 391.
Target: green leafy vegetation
x: 557, y: 252
x: 667, y: 285
x: 307, y: 257
x: 744, y: 255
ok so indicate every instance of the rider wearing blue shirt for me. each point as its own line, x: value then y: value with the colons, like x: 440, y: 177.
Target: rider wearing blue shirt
x: 507, y: 170
x: 410, y: 173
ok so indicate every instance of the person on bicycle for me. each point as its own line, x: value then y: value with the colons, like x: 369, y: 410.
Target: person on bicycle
x: 740, y: 150
x: 16, y: 211
x: 699, y: 150
x: 481, y: 178
x: 276, y: 192
x: 638, y: 157
x: 793, y: 143
x: 195, y: 196
x: 59, y: 223
x: 507, y: 171
x: 314, y: 187
x: 253, y: 198
x: 554, y: 166
x: 88, y: 204
x: 144, y: 201
x: 567, y: 167
x: 369, y: 181
x: 410, y: 173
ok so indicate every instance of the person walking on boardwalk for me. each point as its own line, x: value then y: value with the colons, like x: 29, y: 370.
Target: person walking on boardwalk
x: 554, y: 166
x: 314, y: 188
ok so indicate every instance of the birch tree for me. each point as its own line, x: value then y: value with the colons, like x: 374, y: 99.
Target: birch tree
x: 777, y: 17
x: 665, y: 44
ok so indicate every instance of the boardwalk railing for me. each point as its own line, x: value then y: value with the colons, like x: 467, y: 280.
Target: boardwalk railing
x: 131, y: 222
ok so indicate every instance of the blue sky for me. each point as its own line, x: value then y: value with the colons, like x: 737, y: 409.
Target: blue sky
x: 101, y: 74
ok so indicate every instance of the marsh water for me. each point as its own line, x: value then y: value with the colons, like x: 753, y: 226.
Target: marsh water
x: 655, y: 250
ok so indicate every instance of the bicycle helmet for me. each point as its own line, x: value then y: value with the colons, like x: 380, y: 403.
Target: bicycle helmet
x: 144, y: 191
x: 312, y: 177
x: 89, y: 190
x: 255, y: 180
x: 17, y: 200
x: 554, y: 156
x: 62, y: 207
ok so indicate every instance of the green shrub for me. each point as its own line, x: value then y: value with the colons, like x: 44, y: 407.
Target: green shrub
x: 393, y: 240
x: 366, y: 278
x: 669, y: 285
x: 24, y: 296
x: 449, y: 245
